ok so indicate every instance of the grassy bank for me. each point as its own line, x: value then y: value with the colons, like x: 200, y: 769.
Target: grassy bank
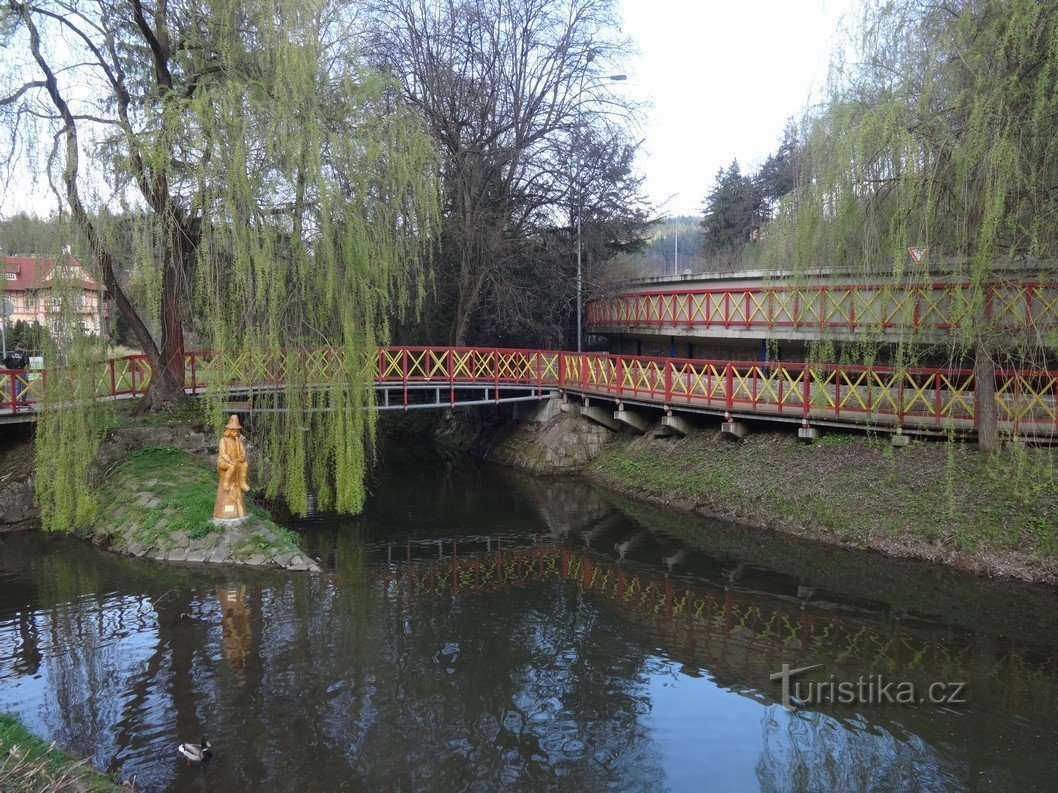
x: 943, y: 502
x: 27, y: 763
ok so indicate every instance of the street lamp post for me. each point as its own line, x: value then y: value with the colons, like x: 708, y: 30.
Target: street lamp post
x: 580, y: 199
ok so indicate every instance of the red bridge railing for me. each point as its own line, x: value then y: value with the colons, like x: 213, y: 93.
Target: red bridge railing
x: 930, y: 399
x: 886, y: 308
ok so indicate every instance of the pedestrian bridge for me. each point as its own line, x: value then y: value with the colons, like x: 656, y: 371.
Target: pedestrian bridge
x: 820, y: 305
x: 912, y: 400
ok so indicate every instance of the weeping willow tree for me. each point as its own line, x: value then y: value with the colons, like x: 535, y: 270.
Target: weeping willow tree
x: 281, y: 196
x: 938, y: 130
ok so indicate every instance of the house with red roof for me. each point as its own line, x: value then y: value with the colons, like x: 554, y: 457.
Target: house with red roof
x: 37, y: 290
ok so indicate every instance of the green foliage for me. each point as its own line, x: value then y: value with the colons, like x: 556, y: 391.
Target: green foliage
x: 27, y: 762
x: 317, y: 132
x: 72, y: 422
x: 734, y: 211
x: 288, y: 195
x: 939, y: 134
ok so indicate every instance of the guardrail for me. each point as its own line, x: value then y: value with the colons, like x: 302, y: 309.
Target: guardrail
x: 929, y: 308
x: 918, y: 399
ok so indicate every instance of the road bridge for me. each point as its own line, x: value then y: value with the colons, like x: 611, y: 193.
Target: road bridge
x: 893, y: 399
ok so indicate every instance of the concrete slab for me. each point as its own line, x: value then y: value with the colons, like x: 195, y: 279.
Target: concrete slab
x: 678, y: 425
x: 734, y: 429
x: 601, y: 416
x: 808, y: 434
x: 570, y: 409
x: 537, y: 412
x: 635, y: 419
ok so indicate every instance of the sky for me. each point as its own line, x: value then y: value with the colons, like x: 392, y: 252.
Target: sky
x: 722, y: 77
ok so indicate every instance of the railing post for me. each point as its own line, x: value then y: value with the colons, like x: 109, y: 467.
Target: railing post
x: 14, y: 391
x: 729, y: 381
x: 194, y: 380
x: 668, y: 381
x: 404, y: 374
x: 806, y: 376
x: 539, y: 375
x: 496, y: 374
x: 620, y: 375
x: 900, y: 398
x: 450, y: 365
x: 113, y: 379
x: 561, y: 369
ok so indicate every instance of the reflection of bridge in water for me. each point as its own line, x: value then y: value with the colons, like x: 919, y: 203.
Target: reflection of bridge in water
x: 739, y: 636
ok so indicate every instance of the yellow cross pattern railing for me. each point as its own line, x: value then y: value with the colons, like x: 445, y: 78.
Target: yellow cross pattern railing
x: 886, y: 308
x: 919, y: 399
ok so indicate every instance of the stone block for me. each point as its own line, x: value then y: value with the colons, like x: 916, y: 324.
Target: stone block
x: 900, y: 440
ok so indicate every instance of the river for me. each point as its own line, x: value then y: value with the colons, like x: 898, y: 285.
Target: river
x: 480, y: 630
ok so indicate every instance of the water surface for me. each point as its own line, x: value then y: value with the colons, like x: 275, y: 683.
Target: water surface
x: 480, y: 630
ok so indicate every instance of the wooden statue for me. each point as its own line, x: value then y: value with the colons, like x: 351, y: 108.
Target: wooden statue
x: 232, y: 467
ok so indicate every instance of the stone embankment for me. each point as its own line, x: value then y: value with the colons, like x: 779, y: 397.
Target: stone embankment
x: 158, y: 503
x: 563, y: 444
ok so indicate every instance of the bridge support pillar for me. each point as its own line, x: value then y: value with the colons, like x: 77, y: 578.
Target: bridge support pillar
x: 632, y: 418
x: 570, y: 408
x: 734, y: 429
x: 537, y: 412
x: 900, y: 440
x: 808, y: 434
x: 601, y: 416
x: 676, y: 425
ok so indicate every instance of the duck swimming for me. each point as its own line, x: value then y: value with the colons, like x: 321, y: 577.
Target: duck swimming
x: 196, y: 752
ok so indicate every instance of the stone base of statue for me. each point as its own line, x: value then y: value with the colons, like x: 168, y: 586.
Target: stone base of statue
x: 229, y: 521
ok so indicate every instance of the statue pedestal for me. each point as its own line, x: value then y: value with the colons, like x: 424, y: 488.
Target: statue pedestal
x: 229, y: 521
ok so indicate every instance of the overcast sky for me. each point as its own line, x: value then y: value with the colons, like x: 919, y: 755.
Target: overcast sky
x: 723, y: 77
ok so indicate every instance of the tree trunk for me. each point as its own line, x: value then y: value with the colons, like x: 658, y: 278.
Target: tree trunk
x: 166, y: 388
x: 986, y: 411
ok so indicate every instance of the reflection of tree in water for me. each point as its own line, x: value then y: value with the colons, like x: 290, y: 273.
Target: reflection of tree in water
x: 812, y: 751
x: 530, y: 688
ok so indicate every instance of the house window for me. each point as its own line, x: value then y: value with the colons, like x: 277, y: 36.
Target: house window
x: 31, y: 302
x: 56, y: 304
x: 10, y: 276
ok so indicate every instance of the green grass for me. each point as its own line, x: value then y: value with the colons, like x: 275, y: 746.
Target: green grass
x: 182, y: 493
x: 27, y: 763
x: 190, y: 413
x: 931, y: 495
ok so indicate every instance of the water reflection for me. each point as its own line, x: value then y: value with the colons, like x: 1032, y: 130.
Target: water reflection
x: 481, y: 632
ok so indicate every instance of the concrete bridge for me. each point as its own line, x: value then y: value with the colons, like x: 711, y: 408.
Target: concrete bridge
x: 634, y: 391
x: 712, y: 314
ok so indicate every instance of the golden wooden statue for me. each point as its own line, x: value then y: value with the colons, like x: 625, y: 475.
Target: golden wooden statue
x: 232, y: 467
